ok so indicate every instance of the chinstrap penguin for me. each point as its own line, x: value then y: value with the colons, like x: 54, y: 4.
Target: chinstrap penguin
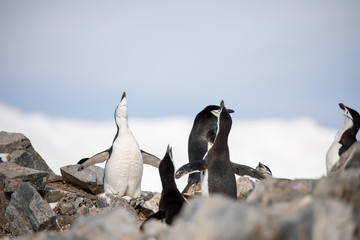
x: 204, y: 122
x: 263, y: 169
x: 124, y: 166
x: 344, y: 138
x: 219, y: 174
x: 199, y: 166
x: 171, y: 200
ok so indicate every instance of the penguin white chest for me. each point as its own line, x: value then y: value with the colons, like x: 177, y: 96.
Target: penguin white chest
x: 123, y: 170
x: 332, y: 155
x: 204, y: 183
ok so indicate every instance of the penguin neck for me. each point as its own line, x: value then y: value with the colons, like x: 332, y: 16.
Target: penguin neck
x: 348, y: 127
x: 122, y: 124
x: 168, y: 182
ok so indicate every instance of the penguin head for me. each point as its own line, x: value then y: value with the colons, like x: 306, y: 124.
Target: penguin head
x: 350, y: 113
x: 263, y: 169
x: 210, y: 111
x: 121, y: 110
x: 166, y: 167
x: 224, y: 119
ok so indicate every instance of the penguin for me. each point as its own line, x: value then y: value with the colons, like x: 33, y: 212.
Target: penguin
x: 263, y: 169
x: 344, y: 138
x: 171, y: 200
x: 124, y: 166
x: 219, y: 175
x: 204, y: 122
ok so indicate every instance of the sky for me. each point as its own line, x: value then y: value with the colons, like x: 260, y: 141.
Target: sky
x: 283, y: 66
x: 278, y: 59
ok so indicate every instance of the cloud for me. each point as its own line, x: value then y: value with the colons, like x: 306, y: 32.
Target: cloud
x: 291, y: 148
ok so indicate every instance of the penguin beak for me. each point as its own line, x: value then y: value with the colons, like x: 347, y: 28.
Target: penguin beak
x: 342, y: 106
x: 123, y: 100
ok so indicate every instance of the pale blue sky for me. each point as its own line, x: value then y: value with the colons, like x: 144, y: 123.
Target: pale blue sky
x: 283, y: 59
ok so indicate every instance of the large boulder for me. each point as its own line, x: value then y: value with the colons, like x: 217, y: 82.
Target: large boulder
x: 272, y: 190
x: 90, y: 179
x: 28, y: 212
x: 22, y: 152
x: 12, y: 175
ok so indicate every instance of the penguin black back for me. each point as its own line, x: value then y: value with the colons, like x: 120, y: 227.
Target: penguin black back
x: 349, y: 136
x: 171, y: 200
x: 205, y: 121
x: 221, y: 177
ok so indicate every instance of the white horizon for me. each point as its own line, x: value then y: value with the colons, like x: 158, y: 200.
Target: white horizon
x: 290, y: 148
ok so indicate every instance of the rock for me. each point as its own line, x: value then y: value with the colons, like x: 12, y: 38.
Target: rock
x: 218, y: 217
x: 4, y: 225
x: 12, y: 175
x: 90, y: 179
x: 22, y: 152
x: 70, y: 207
x: 349, y: 159
x: 320, y: 219
x: 152, y: 205
x: 343, y: 185
x: 194, y: 190
x: 244, y: 187
x: 117, y: 224
x: 272, y: 190
x: 111, y: 201
x: 28, y: 212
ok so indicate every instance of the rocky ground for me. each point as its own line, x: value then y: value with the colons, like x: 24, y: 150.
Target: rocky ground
x: 35, y: 203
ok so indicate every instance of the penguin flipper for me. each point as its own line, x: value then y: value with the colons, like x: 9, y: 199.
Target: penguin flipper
x: 150, y: 159
x: 242, y: 170
x: 191, y: 167
x: 97, y: 158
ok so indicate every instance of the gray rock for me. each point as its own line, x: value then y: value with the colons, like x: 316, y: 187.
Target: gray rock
x: 343, y: 185
x: 70, y: 207
x: 90, y: 179
x: 117, y: 224
x: 111, y: 201
x: 4, y: 202
x: 272, y: 190
x: 349, y: 159
x: 221, y: 218
x: 244, y: 187
x: 12, y: 175
x: 152, y: 205
x: 28, y: 212
x: 322, y: 218
x: 22, y: 152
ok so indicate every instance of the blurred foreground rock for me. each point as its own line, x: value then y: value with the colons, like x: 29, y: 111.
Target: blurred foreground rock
x: 349, y: 159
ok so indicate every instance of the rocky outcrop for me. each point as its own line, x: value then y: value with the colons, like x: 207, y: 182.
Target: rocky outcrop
x: 20, y: 151
x: 325, y: 208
